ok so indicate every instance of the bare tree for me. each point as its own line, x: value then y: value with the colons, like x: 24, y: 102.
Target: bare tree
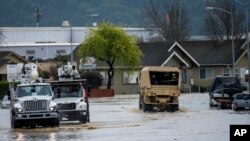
x: 217, y: 24
x: 171, y: 20
x: 1, y: 36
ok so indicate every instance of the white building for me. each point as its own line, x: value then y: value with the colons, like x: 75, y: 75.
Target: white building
x: 47, y: 42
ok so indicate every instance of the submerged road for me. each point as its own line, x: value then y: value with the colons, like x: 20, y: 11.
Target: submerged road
x: 118, y: 118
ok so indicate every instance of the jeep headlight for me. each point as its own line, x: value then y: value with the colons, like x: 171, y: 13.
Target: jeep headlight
x: 52, y: 106
x: 18, y: 108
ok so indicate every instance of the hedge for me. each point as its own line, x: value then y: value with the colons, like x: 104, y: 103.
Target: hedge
x: 4, y: 85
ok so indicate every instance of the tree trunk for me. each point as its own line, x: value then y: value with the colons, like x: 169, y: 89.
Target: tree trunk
x: 110, y: 76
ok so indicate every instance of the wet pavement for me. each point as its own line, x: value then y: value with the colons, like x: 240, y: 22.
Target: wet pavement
x: 119, y: 118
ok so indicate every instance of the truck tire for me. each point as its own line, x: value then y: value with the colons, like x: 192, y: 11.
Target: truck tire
x: 140, y: 102
x: 211, y: 103
x: 83, y: 119
x: 174, y: 107
x: 146, y: 107
x: 234, y: 108
x: 220, y: 106
x: 88, y: 118
x: 55, y: 122
x: 15, y: 124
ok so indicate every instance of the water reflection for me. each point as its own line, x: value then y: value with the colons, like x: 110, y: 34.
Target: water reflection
x: 33, y: 134
x: 52, y: 136
x: 19, y: 137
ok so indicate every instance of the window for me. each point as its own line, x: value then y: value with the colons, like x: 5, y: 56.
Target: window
x: 104, y: 77
x: 30, y: 51
x: 163, y: 78
x: 206, y: 73
x: 226, y: 72
x: 237, y: 73
x: 184, y: 76
x: 61, y: 51
x: 130, y: 78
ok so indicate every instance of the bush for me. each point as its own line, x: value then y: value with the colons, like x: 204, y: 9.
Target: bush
x: 43, y: 74
x: 94, y: 79
x: 4, y: 86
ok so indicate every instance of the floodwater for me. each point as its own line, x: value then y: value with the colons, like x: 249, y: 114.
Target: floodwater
x: 118, y: 118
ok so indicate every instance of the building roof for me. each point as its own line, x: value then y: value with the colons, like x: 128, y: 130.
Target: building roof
x: 4, y: 60
x: 199, y: 53
x: 213, y: 52
x: 154, y: 54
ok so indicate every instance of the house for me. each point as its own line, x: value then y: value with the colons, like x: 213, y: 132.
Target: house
x: 8, y: 57
x: 200, y: 62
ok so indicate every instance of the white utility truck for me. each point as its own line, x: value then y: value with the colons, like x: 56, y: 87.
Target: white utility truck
x: 32, y: 101
x: 71, y: 95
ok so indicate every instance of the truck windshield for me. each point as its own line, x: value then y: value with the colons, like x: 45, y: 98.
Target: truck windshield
x: 67, y: 91
x: 33, y: 90
x: 164, y: 78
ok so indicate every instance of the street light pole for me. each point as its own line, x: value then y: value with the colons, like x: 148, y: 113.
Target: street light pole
x: 232, y: 33
x: 247, y: 37
x: 71, y: 33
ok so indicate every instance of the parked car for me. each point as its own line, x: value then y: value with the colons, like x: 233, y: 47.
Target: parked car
x: 244, y: 86
x: 5, y: 102
x: 241, y: 101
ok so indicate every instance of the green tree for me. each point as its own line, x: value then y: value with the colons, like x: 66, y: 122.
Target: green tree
x: 60, y: 59
x: 112, y: 45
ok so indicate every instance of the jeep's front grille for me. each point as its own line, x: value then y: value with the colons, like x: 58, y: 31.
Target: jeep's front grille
x: 35, y: 105
x: 68, y: 106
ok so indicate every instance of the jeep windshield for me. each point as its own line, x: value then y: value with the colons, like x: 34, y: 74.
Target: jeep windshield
x: 163, y: 78
x: 69, y: 90
x: 33, y: 90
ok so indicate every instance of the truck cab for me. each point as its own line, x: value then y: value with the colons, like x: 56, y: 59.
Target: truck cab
x: 33, y: 106
x: 159, y: 88
x: 72, y: 99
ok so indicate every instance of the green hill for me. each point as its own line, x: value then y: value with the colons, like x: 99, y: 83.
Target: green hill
x: 127, y: 13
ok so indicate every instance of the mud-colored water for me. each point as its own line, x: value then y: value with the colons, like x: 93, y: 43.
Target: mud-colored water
x: 120, y: 119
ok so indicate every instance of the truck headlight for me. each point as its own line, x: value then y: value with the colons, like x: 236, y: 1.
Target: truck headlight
x: 52, y: 106
x: 81, y: 106
x: 18, y: 108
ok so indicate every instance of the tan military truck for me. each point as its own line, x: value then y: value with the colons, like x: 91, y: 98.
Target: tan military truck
x: 159, y: 88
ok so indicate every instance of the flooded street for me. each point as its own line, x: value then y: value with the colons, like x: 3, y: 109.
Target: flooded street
x: 120, y: 119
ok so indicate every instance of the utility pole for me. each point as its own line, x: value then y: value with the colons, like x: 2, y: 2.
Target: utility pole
x: 37, y: 16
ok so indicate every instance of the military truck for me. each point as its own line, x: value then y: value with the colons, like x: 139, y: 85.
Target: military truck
x: 159, y: 88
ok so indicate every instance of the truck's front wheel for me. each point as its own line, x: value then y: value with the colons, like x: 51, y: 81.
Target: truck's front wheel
x: 14, y: 123
x: 55, y: 122
x: 83, y: 119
